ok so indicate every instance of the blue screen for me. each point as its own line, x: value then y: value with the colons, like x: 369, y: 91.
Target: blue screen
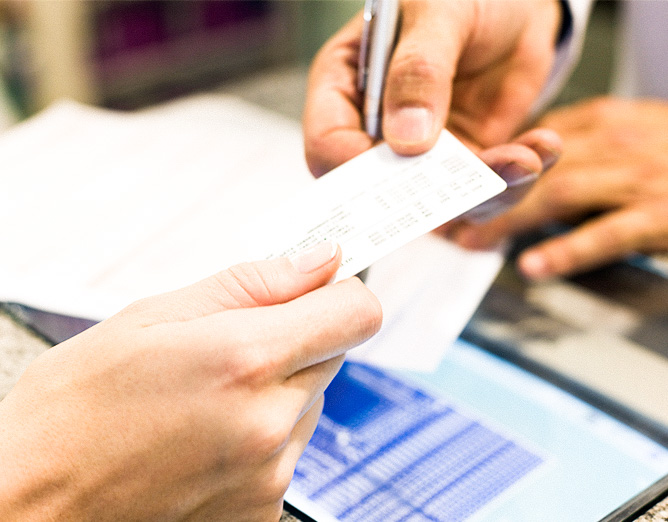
x: 478, y: 438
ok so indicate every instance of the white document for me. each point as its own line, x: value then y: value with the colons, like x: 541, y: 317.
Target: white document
x: 378, y: 202
x: 100, y: 208
x: 429, y: 289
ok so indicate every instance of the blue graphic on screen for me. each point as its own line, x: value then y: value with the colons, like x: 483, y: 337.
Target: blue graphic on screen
x: 384, y: 450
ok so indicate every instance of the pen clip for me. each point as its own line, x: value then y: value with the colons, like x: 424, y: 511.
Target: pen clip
x: 370, y: 7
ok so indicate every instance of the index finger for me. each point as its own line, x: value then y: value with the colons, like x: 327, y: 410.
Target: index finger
x: 271, y: 343
x: 332, y: 122
x: 601, y: 240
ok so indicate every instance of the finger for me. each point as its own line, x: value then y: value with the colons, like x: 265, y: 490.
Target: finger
x: 574, y: 118
x: 271, y: 343
x: 245, y: 285
x: 419, y: 80
x: 482, y: 235
x: 544, y: 142
x: 519, y: 164
x: 285, y: 462
x: 511, y: 153
x: 300, y: 391
x: 519, y: 167
x: 303, y: 431
x: 597, y: 242
x: 573, y: 190
x: 588, y: 114
x: 277, y: 471
x: 527, y: 215
x: 559, y: 196
x: 332, y: 121
x: 503, y: 70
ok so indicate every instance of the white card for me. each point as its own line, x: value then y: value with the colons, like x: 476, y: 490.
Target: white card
x: 377, y: 202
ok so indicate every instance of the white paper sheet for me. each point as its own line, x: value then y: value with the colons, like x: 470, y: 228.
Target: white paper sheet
x: 428, y: 289
x: 101, y: 208
x: 378, y: 202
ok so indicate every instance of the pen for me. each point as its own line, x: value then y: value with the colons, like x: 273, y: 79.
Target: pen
x: 380, y: 25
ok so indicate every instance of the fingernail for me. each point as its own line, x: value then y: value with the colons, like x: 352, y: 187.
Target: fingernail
x: 534, y: 266
x: 548, y: 156
x: 516, y: 174
x: 409, y: 125
x: 311, y: 259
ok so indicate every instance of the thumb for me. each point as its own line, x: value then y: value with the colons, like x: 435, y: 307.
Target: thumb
x: 418, y: 87
x: 246, y: 285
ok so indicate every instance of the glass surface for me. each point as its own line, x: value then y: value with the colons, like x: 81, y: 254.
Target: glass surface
x: 477, y: 439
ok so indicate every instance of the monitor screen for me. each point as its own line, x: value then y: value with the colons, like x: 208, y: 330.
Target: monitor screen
x: 479, y: 438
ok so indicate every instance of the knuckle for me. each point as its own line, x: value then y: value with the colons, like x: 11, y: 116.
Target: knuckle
x: 248, y: 285
x: 412, y: 64
x: 135, y: 308
x: 643, y: 226
x: 243, y: 274
x: 254, y: 366
x: 142, y: 312
x: 565, y: 192
x: 315, y: 149
x: 603, y: 107
x: 561, y: 253
x: 611, y: 237
x: 650, y: 176
x: 279, y: 482
x: 560, y: 192
x: 270, y: 434
x: 368, y: 311
x: 412, y: 73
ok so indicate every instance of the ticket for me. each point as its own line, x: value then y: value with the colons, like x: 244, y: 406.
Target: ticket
x: 377, y: 202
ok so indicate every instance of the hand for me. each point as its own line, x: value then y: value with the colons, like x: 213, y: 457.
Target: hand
x: 476, y: 66
x: 519, y: 163
x: 612, y: 180
x: 195, y: 404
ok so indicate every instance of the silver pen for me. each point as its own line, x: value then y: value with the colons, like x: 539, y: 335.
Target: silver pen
x: 381, y: 18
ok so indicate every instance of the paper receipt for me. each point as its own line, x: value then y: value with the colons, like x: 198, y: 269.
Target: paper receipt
x: 377, y: 202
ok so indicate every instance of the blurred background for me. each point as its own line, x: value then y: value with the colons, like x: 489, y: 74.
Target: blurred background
x: 129, y: 54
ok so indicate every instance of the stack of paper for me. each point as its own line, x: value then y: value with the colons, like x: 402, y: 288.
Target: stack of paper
x: 101, y: 208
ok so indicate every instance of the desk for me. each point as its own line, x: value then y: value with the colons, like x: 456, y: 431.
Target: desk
x: 606, y: 330
x: 523, y: 323
x: 548, y: 324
